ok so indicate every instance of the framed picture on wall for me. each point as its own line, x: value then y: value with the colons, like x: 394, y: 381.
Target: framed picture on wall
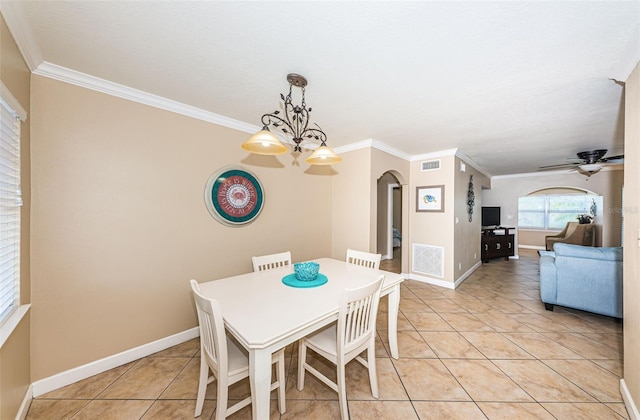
x: 430, y: 198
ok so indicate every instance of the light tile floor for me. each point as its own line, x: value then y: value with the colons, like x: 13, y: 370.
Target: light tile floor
x: 486, y: 350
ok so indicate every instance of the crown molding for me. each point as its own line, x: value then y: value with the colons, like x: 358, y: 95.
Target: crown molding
x: 434, y: 155
x: 374, y: 144
x: 391, y: 150
x: 87, y: 81
x: 21, y: 32
x: 77, y: 78
x: 63, y: 74
x: 354, y: 146
x: 472, y: 163
x: 84, y: 80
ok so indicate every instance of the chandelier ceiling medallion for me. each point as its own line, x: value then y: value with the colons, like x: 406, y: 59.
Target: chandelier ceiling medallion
x: 295, y: 123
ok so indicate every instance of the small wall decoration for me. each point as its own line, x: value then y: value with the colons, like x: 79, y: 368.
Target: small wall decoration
x: 430, y: 198
x: 471, y: 198
x: 234, y: 196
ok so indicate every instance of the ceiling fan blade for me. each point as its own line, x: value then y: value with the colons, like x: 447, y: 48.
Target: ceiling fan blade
x: 612, y: 158
x: 561, y: 165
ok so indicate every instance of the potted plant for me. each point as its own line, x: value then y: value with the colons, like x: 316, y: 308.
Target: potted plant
x: 585, y: 219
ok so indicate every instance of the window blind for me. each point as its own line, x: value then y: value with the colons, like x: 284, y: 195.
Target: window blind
x: 10, y: 203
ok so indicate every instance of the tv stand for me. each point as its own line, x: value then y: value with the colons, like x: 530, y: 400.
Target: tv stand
x: 497, y: 244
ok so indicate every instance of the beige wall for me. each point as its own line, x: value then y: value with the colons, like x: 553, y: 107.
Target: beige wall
x: 450, y: 229
x: 15, y: 368
x: 467, y: 233
x: 434, y: 229
x: 353, y: 204
x: 506, y: 190
x: 632, y: 237
x: 355, y: 198
x: 119, y: 224
x: 381, y: 163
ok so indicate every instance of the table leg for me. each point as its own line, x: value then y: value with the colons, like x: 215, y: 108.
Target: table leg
x: 394, y: 305
x: 260, y: 379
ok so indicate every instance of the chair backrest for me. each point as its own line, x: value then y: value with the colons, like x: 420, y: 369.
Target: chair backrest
x: 365, y: 259
x: 570, y: 228
x: 564, y: 231
x: 357, y: 316
x: 268, y: 262
x: 213, y: 340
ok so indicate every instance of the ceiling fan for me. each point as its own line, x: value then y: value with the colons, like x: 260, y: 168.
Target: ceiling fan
x: 588, y: 161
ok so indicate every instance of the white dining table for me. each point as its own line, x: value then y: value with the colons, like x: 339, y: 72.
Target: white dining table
x: 265, y: 315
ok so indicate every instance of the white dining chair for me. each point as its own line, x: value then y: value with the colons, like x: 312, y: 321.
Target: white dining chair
x: 343, y: 341
x: 268, y: 262
x: 227, y: 359
x: 365, y: 259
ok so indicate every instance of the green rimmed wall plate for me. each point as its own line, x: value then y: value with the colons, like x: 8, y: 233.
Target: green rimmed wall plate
x: 234, y: 196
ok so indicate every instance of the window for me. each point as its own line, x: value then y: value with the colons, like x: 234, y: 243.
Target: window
x: 532, y: 211
x: 10, y: 203
x: 553, y: 211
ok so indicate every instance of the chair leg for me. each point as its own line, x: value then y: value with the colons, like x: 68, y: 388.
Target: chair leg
x: 548, y: 307
x: 202, y: 386
x: 373, y: 374
x: 342, y: 390
x: 281, y: 383
x: 222, y: 399
x: 302, y: 354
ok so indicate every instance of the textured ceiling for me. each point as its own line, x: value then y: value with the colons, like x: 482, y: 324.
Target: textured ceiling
x: 512, y: 85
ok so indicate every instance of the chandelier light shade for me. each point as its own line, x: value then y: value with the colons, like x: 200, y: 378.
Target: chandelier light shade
x: 323, y: 155
x: 264, y: 142
x: 295, y: 123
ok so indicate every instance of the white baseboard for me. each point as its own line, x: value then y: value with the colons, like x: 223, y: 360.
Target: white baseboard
x: 631, y: 407
x: 82, y: 372
x: 26, y: 403
x: 442, y: 283
x: 469, y: 272
x: 530, y: 247
x: 430, y: 280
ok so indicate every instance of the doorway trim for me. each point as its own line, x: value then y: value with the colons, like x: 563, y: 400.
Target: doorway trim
x: 390, y: 188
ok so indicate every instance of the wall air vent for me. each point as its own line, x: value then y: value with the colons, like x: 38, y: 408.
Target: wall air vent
x: 428, y: 259
x: 431, y: 165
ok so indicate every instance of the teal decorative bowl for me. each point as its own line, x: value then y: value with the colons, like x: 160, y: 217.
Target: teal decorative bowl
x: 306, y: 271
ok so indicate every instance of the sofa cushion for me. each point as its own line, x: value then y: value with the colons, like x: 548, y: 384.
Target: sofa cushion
x: 605, y: 253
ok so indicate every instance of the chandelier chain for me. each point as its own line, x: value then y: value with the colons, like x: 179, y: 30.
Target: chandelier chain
x: 295, y: 121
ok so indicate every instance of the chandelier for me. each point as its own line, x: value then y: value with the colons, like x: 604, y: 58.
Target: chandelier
x: 295, y: 123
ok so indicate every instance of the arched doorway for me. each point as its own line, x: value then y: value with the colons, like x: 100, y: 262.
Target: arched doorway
x: 389, y: 223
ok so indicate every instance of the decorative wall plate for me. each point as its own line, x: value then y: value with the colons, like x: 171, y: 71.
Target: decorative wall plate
x: 234, y: 196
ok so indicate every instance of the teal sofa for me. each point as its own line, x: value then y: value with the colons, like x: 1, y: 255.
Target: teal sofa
x: 582, y: 277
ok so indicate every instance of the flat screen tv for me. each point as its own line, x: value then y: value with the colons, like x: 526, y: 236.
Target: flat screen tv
x: 491, y: 216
